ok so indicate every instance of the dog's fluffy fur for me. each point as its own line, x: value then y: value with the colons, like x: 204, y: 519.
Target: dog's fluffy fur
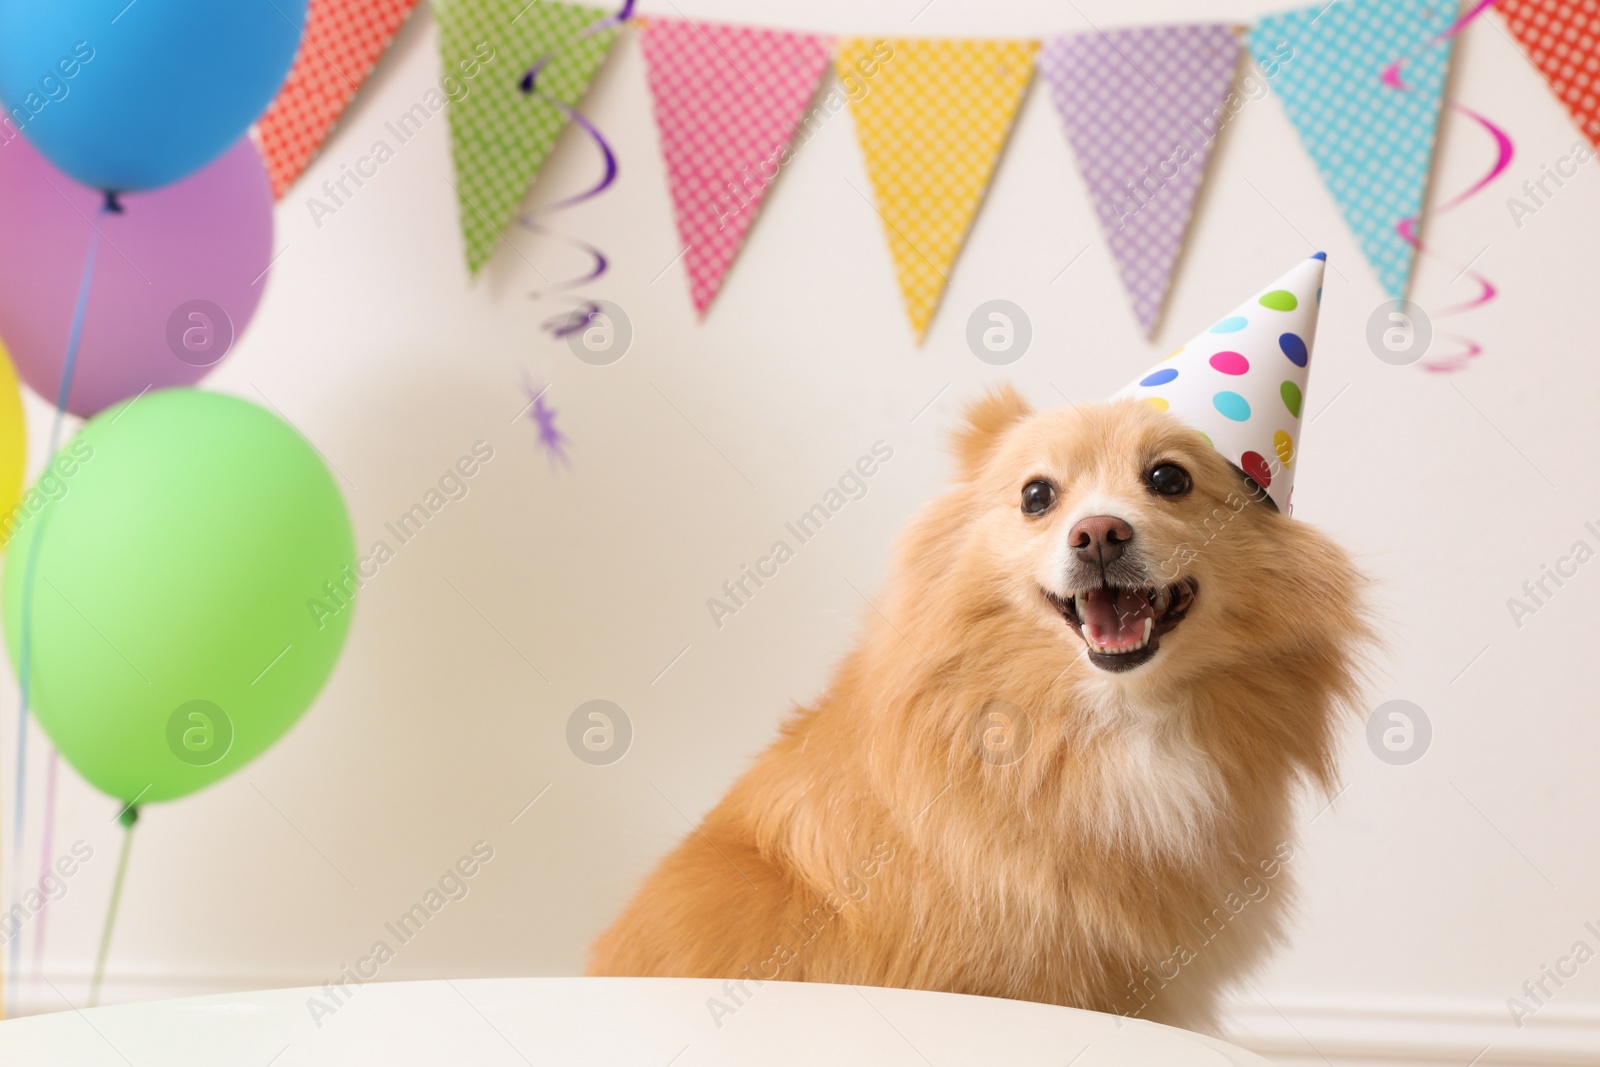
x: 1128, y: 851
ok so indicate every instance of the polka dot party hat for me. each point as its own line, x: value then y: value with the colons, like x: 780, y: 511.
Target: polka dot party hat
x: 1242, y: 383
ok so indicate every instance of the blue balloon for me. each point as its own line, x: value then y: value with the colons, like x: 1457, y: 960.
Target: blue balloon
x: 133, y: 95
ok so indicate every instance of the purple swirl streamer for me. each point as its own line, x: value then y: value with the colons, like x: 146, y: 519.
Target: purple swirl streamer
x: 563, y: 325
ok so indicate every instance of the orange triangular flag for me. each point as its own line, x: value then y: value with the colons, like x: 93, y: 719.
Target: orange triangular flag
x: 344, y: 39
x: 1562, y: 38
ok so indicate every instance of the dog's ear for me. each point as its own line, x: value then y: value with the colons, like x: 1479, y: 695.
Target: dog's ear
x: 987, y: 419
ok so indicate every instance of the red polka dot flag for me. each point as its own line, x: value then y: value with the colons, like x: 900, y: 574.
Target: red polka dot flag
x: 344, y: 40
x: 1562, y: 37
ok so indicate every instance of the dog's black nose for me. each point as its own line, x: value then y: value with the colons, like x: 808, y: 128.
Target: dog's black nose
x: 1100, y: 539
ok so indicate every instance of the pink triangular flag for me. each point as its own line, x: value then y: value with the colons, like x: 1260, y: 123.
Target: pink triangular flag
x: 728, y: 101
x: 1142, y: 107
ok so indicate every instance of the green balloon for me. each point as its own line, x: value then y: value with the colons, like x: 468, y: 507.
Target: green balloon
x: 181, y: 616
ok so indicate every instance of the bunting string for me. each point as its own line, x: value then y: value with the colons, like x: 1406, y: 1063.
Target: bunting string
x: 732, y: 102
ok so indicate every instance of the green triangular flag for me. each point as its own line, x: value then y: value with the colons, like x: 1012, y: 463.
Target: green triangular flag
x: 500, y: 135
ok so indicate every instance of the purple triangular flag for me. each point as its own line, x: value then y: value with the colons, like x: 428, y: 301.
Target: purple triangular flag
x: 1142, y: 108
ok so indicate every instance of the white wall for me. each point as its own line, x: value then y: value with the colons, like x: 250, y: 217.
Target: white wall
x: 1432, y: 891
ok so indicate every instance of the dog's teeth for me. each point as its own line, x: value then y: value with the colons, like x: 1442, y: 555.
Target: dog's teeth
x: 1107, y: 650
x: 1162, y: 600
x: 1080, y: 604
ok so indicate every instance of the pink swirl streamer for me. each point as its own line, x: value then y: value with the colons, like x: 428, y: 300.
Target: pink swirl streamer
x: 1505, y: 150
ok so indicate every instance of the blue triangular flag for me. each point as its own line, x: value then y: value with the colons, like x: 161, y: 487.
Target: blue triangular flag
x: 1368, y: 125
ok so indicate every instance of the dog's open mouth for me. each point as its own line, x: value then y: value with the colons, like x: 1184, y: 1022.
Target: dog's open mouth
x: 1122, y: 626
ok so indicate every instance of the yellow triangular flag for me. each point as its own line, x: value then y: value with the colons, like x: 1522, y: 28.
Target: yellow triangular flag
x: 932, y: 117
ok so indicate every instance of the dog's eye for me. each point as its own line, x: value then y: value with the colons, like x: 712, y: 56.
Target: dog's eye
x: 1169, y: 479
x: 1037, y: 496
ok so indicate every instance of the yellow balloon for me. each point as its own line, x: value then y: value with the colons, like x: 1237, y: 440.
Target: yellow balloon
x: 13, y: 443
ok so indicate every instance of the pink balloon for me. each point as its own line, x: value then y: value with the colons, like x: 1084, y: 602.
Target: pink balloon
x: 178, y: 274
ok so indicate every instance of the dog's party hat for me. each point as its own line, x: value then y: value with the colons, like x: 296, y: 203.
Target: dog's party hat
x: 1242, y: 383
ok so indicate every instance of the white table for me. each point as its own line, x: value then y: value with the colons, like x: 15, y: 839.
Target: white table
x: 636, y: 1022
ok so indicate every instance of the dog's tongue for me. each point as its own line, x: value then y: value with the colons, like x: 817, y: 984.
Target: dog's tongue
x: 1114, y: 618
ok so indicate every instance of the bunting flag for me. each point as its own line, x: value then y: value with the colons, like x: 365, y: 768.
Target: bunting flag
x: 1562, y: 37
x: 931, y: 117
x: 729, y: 101
x: 344, y: 39
x: 1371, y: 137
x: 1362, y: 81
x: 1142, y: 108
x: 500, y: 134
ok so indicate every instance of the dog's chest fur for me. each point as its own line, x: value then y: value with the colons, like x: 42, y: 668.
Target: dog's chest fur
x: 1085, y: 874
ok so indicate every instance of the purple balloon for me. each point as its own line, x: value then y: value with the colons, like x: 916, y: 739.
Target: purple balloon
x: 178, y: 274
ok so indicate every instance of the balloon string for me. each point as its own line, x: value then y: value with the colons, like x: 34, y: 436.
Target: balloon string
x: 561, y: 325
x: 129, y: 816
x: 46, y: 847
x: 1407, y: 227
x: 80, y: 312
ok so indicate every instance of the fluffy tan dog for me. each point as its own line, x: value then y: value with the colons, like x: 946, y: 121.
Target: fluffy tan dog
x: 1059, y: 765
